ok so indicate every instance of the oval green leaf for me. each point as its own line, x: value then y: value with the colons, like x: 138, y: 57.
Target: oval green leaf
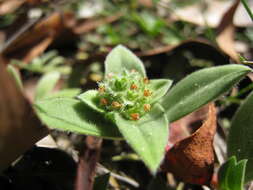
x: 16, y: 75
x: 46, y: 84
x: 200, y: 88
x: 90, y: 99
x: 72, y: 115
x: 121, y: 58
x: 240, y: 143
x: 231, y: 174
x: 159, y: 88
x: 148, y: 136
x: 66, y: 93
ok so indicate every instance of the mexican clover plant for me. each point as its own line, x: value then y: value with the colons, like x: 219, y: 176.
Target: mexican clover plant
x: 127, y: 105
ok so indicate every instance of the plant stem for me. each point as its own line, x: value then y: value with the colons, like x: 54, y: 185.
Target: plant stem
x: 246, y: 6
x: 87, y: 163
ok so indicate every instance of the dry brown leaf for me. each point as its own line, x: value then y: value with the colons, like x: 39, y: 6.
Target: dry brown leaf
x: 37, y: 49
x: 36, y: 39
x: 168, y: 48
x: 192, y: 159
x: 226, y: 30
x: 20, y: 129
x: 2, y: 38
x: 88, y: 25
x: 146, y: 3
x: 207, y: 12
x: 183, y: 127
x: 34, y: 2
x: 10, y: 6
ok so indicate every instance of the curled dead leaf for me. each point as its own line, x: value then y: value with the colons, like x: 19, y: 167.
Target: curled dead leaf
x: 183, y: 127
x: 226, y: 32
x: 10, y: 6
x: 192, y: 159
x: 20, y: 128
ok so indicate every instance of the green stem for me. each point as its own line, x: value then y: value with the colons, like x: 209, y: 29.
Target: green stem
x: 246, y: 6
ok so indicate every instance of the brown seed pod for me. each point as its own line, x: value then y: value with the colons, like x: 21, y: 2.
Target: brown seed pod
x: 147, y: 107
x: 192, y: 159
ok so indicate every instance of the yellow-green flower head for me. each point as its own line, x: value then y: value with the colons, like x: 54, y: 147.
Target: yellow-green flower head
x: 127, y: 94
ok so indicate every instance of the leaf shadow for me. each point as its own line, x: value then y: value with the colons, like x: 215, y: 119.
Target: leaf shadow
x: 88, y: 115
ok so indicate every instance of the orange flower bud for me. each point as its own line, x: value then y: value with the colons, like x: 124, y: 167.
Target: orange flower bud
x: 116, y: 104
x: 147, y: 93
x: 101, y: 89
x: 133, y: 87
x: 135, y: 116
x: 147, y: 107
x: 145, y: 80
x: 103, y: 101
x: 110, y: 75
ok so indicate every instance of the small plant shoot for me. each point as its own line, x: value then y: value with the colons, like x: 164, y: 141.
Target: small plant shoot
x: 127, y: 105
x: 232, y: 174
x: 128, y: 98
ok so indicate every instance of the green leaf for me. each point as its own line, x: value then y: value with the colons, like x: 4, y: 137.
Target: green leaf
x: 231, y: 174
x: 200, y: 88
x: 224, y: 171
x: 246, y: 6
x: 150, y: 24
x: 67, y: 93
x: 16, y: 76
x: 72, y: 115
x: 121, y: 58
x: 147, y: 136
x: 46, y: 84
x: 101, y: 182
x: 90, y: 99
x: 159, y: 88
x: 240, y: 136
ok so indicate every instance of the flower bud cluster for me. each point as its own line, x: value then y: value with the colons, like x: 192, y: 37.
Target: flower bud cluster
x: 127, y: 94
